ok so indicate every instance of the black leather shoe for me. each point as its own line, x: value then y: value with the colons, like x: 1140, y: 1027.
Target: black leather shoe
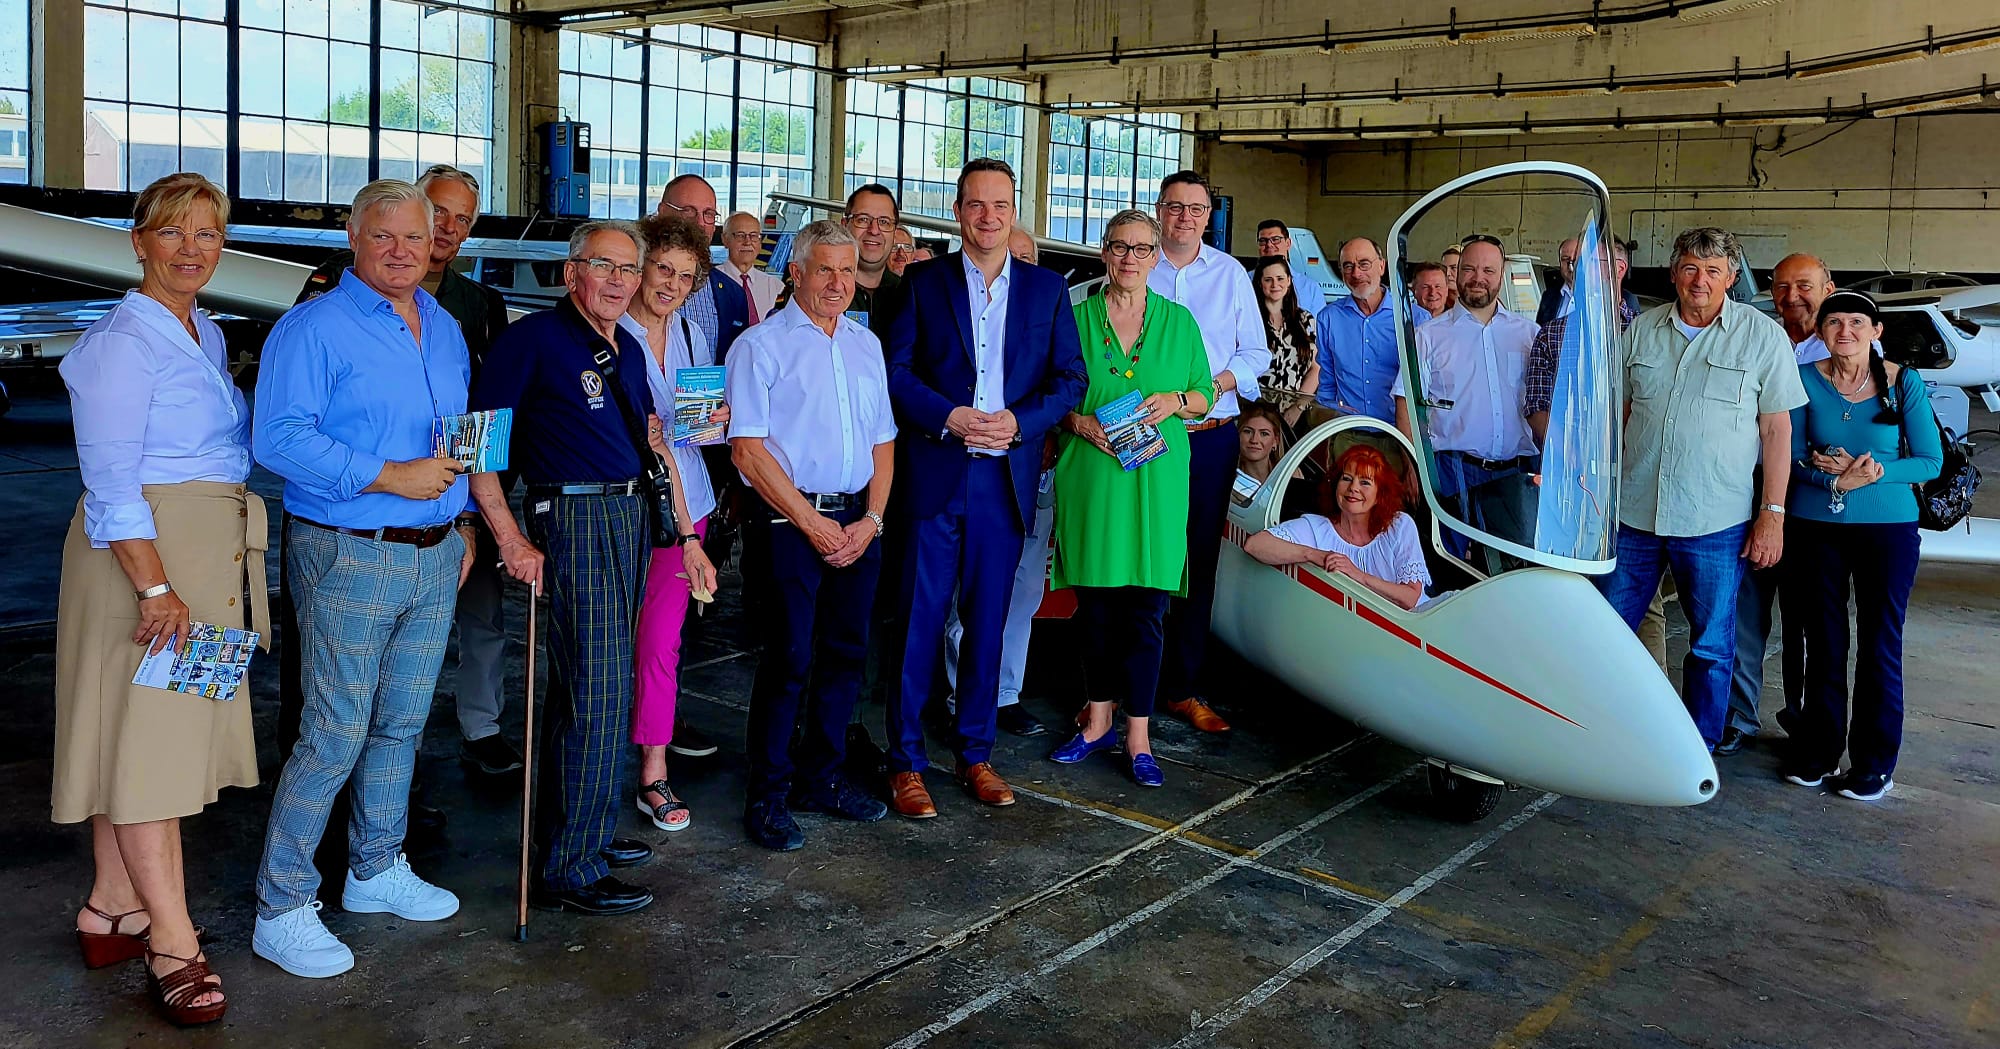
x: 1015, y: 718
x: 606, y: 895
x: 841, y: 800
x: 769, y: 823
x: 866, y: 763
x: 1733, y: 741
x: 690, y: 743
x: 426, y: 826
x: 626, y: 852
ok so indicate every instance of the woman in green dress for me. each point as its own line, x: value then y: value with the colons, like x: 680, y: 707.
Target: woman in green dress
x: 1121, y: 535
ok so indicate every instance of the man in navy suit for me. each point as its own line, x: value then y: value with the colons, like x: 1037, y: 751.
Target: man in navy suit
x: 983, y: 360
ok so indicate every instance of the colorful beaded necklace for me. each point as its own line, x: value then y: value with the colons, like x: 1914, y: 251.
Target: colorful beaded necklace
x: 1111, y: 350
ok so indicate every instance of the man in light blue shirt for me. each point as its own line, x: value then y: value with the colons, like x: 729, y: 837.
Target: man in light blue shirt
x: 352, y: 385
x: 1274, y: 239
x: 1357, y: 338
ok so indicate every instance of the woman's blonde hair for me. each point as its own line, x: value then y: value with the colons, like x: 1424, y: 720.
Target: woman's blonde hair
x: 169, y: 199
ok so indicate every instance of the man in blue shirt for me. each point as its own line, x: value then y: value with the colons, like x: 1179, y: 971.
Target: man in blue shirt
x: 571, y: 375
x: 351, y: 385
x: 1357, y: 338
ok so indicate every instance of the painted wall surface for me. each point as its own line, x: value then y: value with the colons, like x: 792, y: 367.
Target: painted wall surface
x: 1909, y: 193
x: 1262, y: 185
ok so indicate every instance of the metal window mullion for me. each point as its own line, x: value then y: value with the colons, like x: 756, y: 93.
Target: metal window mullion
x: 645, y: 125
x: 375, y: 91
x: 735, y: 116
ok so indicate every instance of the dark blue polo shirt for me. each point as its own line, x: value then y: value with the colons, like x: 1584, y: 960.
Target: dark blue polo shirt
x: 566, y: 423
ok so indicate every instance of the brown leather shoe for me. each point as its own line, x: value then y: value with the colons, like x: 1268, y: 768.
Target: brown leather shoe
x: 1196, y: 713
x: 908, y: 796
x: 983, y: 783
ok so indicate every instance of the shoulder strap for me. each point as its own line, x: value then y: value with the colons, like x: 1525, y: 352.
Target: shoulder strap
x: 606, y: 359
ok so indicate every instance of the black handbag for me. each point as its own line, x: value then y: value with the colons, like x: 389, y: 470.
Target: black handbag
x: 659, y: 483
x: 1944, y: 500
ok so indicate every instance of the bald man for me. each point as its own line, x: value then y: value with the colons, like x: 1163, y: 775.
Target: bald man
x: 1021, y: 244
x: 1799, y: 283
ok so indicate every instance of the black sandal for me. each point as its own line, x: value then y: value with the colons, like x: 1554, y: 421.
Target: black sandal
x: 659, y: 813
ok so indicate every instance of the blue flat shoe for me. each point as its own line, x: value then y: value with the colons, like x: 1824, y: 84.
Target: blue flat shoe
x: 1079, y: 748
x: 1146, y: 771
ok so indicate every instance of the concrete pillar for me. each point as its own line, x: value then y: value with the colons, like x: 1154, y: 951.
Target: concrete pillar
x: 1033, y: 208
x: 830, y: 131
x: 533, y: 97
x: 55, y: 105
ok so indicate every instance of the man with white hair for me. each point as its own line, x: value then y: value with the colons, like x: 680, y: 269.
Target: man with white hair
x: 742, y: 236
x: 1711, y: 384
x: 349, y: 391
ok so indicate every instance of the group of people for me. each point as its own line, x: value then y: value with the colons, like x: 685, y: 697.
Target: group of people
x: 919, y: 447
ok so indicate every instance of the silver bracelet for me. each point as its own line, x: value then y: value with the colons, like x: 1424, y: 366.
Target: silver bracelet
x: 877, y: 518
x: 151, y: 592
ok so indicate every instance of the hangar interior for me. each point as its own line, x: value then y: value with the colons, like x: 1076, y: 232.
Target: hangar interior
x: 1290, y: 887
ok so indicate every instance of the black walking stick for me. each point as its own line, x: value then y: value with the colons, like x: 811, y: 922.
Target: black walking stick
x: 527, y: 770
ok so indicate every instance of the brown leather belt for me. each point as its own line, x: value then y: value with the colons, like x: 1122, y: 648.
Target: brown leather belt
x: 1209, y: 424
x: 421, y: 538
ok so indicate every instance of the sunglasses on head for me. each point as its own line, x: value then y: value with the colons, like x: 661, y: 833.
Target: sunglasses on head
x: 1482, y: 238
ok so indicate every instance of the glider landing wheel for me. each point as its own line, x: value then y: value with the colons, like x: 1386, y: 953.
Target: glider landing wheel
x: 1462, y: 799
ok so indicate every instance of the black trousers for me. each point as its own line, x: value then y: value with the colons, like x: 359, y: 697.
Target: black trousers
x: 810, y: 673
x: 1881, y: 562
x: 1210, y: 475
x: 1124, y: 629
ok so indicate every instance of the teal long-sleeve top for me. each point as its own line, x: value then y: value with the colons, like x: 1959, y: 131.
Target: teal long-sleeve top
x: 1818, y: 424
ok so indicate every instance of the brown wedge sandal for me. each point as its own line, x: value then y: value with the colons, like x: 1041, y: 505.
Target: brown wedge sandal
x: 109, y: 948
x: 175, y: 992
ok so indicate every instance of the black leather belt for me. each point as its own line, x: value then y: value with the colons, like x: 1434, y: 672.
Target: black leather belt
x: 421, y: 538
x: 632, y: 487
x: 1489, y: 465
x: 825, y: 501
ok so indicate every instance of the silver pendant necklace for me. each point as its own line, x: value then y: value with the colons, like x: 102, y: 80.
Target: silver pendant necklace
x: 1846, y: 395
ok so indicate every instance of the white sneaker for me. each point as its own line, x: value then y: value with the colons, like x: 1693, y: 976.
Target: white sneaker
x: 297, y: 942
x: 400, y: 892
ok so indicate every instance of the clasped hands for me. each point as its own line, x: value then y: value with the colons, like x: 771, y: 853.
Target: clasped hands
x: 990, y: 431
x: 838, y: 545
x: 1849, y: 471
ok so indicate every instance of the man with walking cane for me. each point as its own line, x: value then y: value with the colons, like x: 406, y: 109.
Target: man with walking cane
x: 588, y: 446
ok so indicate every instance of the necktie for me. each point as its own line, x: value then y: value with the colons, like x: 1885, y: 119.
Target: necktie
x: 751, y: 300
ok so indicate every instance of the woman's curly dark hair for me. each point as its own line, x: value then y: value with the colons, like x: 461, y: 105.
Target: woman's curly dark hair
x: 667, y: 233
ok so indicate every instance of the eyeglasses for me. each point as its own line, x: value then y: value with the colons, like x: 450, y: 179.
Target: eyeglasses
x: 1482, y: 238
x: 748, y: 236
x: 1175, y: 207
x: 1119, y: 249
x: 1272, y: 241
x: 205, y: 239
x: 875, y: 222
x: 708, y: 215
x: 902, y: 249
x: 605, y: 267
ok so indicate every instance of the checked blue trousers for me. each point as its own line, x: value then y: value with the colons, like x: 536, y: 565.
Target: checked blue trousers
x: 373, y: 618
x: 598, y: 548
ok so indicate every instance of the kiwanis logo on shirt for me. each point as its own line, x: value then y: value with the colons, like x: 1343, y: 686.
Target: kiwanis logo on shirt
x: 593, y: 388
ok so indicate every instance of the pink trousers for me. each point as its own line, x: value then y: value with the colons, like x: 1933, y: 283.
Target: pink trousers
x: 658, y: 650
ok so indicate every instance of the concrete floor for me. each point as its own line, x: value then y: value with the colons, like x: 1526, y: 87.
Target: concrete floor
x: 1287, y: 888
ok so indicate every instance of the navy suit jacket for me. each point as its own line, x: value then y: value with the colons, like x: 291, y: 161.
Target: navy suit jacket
x: 931, y: 372
x: 732, y: 312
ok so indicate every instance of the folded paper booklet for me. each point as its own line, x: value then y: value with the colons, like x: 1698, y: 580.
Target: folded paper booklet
x: 697, y: 394
x: 213, y: 662
x: 478, y: 440
x: 1136, y: 441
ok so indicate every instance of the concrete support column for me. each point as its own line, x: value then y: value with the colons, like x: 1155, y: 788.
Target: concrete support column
x: 830, y: 131
x: 533, y: 97
x: 1033, y: 208
x: 55, y: 105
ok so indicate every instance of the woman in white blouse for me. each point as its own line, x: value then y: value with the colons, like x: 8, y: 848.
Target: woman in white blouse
x: 676, y: 263
x: 1373, y: 543
x: 165, y: 535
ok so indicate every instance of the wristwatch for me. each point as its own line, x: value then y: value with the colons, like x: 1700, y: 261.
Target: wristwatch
x: 1776, y: 508
x: 685, y: 538
x: 877, y: 518
x: 154, y: 591
x: 1182, y: 394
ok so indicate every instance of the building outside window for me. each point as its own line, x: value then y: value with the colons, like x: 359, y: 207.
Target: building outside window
x: 436, y: 90
x: 13, y: 92
x: 156, y: 91
x: 914, y: 137
x: 1100, y: 166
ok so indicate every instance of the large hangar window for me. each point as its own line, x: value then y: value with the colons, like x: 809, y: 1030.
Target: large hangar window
x: 13, y: 92
x: 913, y: 137
x: 1102, y: 165
x: 156, y: 90
x: 733, y: 108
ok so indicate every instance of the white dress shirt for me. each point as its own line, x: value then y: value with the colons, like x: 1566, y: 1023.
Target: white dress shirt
x: 1812, y: 350
x: 763, y: 291
x: 696, y: 487
x: 1216, y: 289
x: 1474, y: 378
x: 821, y: 404
x: 150, y: 405
x: 989, y: 337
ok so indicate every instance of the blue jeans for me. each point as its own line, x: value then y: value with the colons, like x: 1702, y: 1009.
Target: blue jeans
x: 1708, y: 570
x: 373, y: 619
x: 1753, y: 639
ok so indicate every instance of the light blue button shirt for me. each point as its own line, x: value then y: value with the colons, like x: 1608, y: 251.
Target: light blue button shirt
x: 695, y: 485
x: 343, y: 390
x: 150, y: 406
x: 989, y: 337
x: 820, y: 403
x: 1216, y: 289
x: 1358, y: 360
x: 1474, y: 378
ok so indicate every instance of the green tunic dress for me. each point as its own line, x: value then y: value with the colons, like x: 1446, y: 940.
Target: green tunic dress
x: 1116, y: 527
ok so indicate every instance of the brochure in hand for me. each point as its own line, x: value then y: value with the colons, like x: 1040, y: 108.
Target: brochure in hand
x: 212, y: 663
x: 1136, y: 441
x: 698, y: 393
x: 478, y: 440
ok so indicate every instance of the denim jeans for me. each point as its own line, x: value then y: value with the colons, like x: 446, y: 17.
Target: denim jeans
x: 1708, y: 570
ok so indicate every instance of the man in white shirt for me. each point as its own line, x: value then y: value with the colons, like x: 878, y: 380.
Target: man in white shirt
x: 743, y: 235
x: 1213, y: 287
x: 1432, y: 291
x: 1274, y: 239
x: 1474, y: 358
x: 812, y: 432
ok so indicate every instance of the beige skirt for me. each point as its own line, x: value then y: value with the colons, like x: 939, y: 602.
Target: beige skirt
x: 132, y: 752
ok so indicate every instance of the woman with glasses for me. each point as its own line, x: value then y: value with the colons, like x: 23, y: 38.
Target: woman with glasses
x: 676, y: 263
x: 165, y: 536
x: 1121, y: 534
x: 1865, y: 435
x: 1288, y: 331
